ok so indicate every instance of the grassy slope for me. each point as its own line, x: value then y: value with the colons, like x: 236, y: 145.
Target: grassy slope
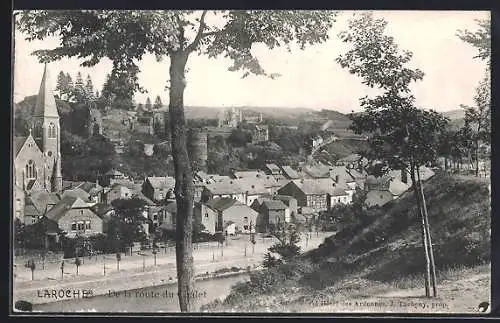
x: 386, y: 255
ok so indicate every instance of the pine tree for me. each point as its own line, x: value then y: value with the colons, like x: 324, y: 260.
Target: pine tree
x: 89, y: 89
x: 147, y: 106
x: 61, y: 84
x: 158, y: 104
x: 79, y: 90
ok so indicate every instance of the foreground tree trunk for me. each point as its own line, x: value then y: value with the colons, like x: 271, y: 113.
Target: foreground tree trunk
x: 428, y: 231
x: 184, y: 188
x: 424, y: 233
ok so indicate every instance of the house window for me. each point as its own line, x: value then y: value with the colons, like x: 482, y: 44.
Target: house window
x: 80, y: 226
x: 206, y: 215
x: 52, y: 131
x: 30, y: 170
x: 87, y: 225
x: 245, y: 219
x: 33, y: 219
x: 126, y: 194
x: 81, y: 212
x: 161, y: 196
x: 73, y: 226
x: 155, y: 217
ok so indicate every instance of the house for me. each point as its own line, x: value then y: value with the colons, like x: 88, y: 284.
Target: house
x: 230, y: 210
x: 94, y: 191
x: 158, y: 188
x: 206, y: 216
x: 224, y: 188
x: 37, y: 203
x: 106, y: 212
x: 290, y: 173
x: 383, y: 189
x: 169, y: 216
x: 275, y: 212
x: 289, y: 201
x: 313, y: 193
x: 113, y: 175
x: 344, y: 179
x: 340, y: 196
x: 272, y: 169
x: 355, y: 161
x: 50, y: 229
x: 74, y: 216
x: 229, y: 228
x: 253, y: 189
x: 117, y: 191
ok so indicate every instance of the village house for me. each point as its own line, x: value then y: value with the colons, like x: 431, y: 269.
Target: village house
x: 272, y: 169
x: 314, y: 193
x: 111, y: 176
x: 253, y: 189
x: 207, y: 216
x: 117, y: 191
x: 275, y: 212
x: 37, y: 203
x: 230, y: 188
x: 74, y: 216
x: 231, y: 212
x: 158, y: 188
x: 382, y: 190
x: 94, y: 191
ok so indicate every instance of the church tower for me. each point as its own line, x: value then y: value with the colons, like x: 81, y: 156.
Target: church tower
x: 47, y: 129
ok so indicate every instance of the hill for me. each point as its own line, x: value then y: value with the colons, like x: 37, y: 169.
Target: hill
x: 382, y: 260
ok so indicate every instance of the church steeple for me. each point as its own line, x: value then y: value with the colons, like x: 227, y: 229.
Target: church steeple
x: 46, y: 102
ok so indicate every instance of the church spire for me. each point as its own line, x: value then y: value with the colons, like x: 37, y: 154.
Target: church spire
x: 45, y: 102
x: 57, y: 175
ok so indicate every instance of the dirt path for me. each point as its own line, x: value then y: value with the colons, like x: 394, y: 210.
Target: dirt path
x: 458, y: 296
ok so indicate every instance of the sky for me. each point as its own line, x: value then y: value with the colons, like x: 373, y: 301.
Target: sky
x: 310, y: 78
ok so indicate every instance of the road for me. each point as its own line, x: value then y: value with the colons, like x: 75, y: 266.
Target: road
x: 138, y: 273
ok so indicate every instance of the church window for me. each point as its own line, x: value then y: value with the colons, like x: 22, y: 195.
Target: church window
x: 49, y: 153
x: 52, y: 130
x: 30, y: 170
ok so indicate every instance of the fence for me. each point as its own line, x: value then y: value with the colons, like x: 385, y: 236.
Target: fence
x: 99, y: 264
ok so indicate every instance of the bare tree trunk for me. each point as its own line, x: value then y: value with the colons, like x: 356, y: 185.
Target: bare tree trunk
x: 477, y: 159
x: 424, y: 234
x: 184, y: 187
x: 429, y: 240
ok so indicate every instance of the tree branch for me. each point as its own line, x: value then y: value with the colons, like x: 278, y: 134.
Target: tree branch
x: 199, y: 34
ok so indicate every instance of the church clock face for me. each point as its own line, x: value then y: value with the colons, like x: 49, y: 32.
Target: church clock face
x: 49, y: 153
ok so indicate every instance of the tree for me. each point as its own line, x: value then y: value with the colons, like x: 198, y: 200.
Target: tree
x: 89, y: 90
x: 286, y: 248
x: 61, y: 83
x: 147, y: 106
x: 401, y: 136
x: 167, y: 33
x: 158, y: 104
x: 478, y: 118
x: 481, y: 39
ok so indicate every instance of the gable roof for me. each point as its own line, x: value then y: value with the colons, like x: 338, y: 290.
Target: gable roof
x: 18, y: 144
x: 319, y: 186
x: 338, y: 191
x: 274, y: 204
x: 76, y: 192
x: 230, y: 186
x: 102, y: 208
x: 396, y: 187
x: 40, y: 200
x: 251, y: 186
x: 273, y: 168
x: 342, y: 173
x: 90, y: 187
x: 220, y: 203
x: 290, y: 172
x: 141, y: 196
x: 161, y: 182
x: 60, y: 209
x: 317, y: 171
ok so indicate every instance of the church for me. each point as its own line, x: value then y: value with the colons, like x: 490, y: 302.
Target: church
x: 37, y: 156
